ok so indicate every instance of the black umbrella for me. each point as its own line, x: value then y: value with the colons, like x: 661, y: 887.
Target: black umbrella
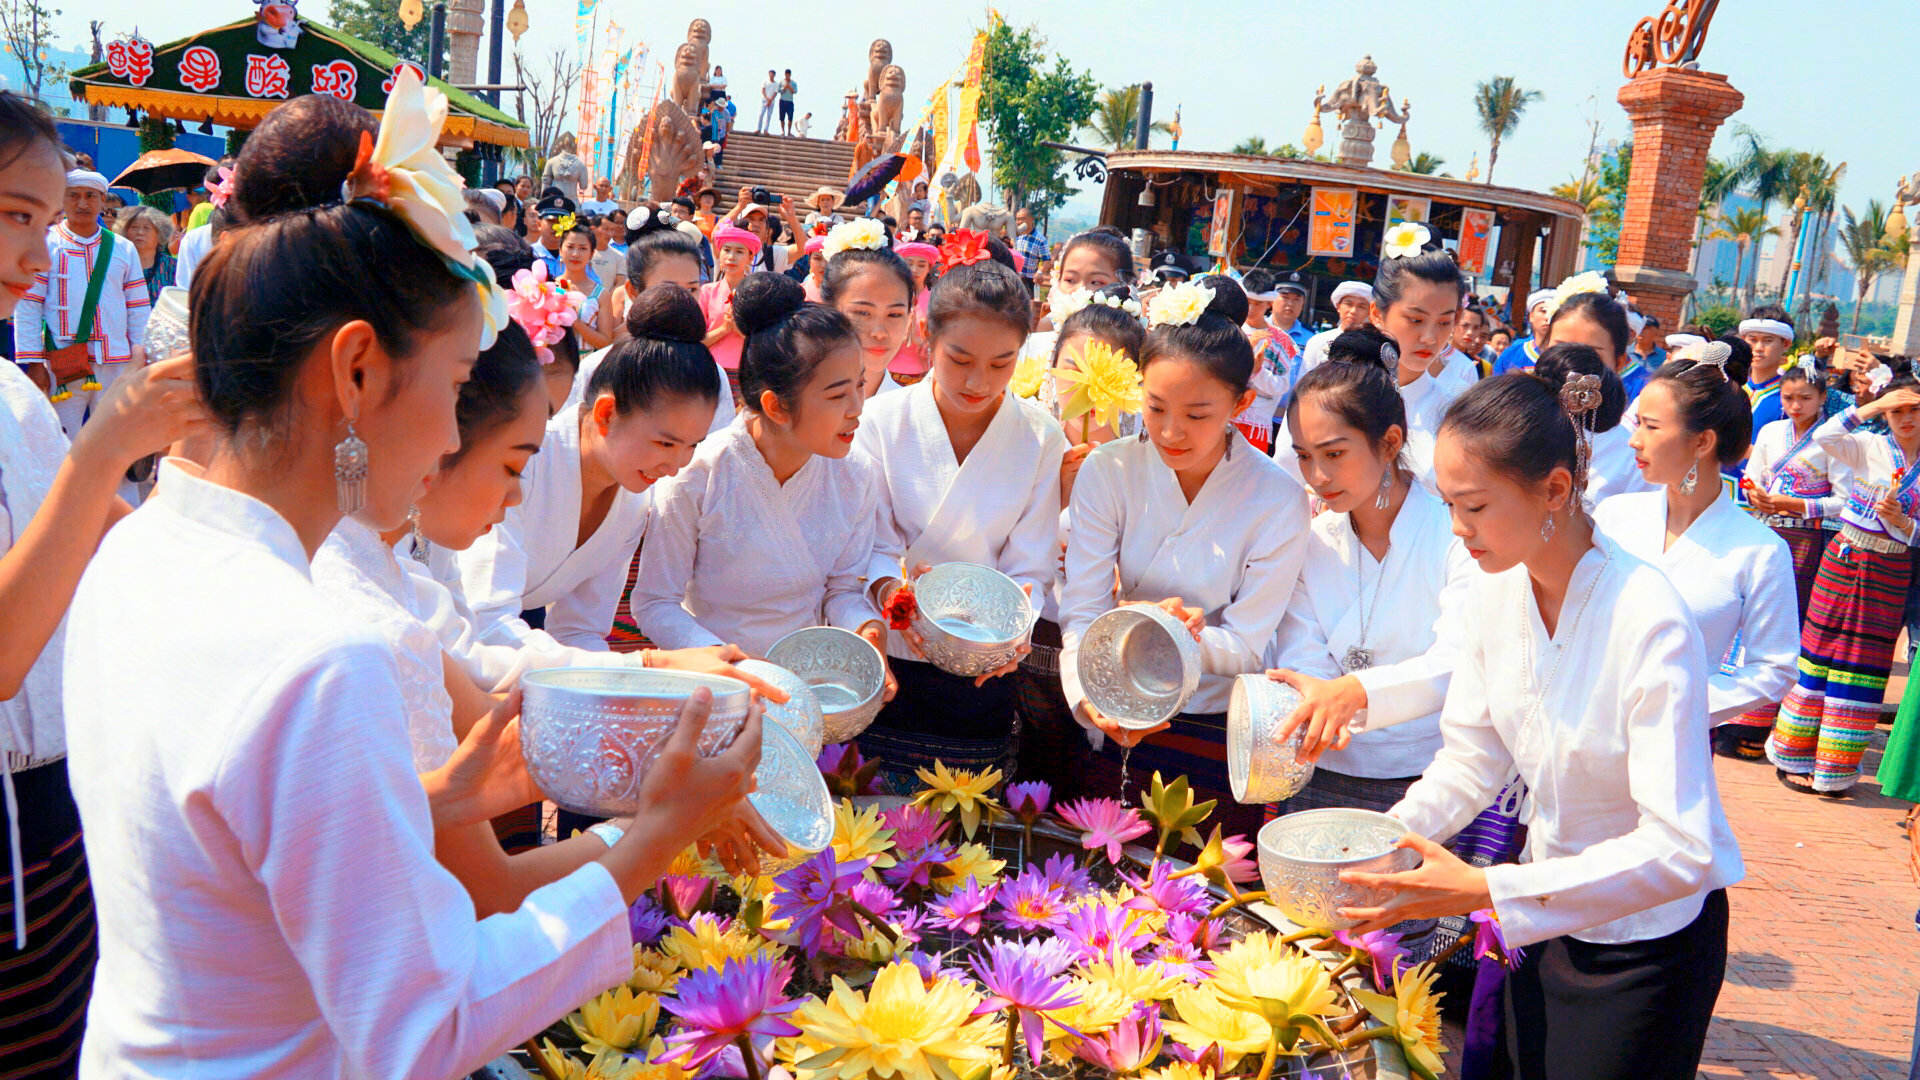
x: 878, y: 173
x: 163, y: 170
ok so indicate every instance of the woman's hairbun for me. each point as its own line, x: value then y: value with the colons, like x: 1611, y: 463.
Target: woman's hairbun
x: 298, y: 156
x: 1229, y: 299
x: 667, y: 313
x: 763, y: 299
x: 1365, y: 345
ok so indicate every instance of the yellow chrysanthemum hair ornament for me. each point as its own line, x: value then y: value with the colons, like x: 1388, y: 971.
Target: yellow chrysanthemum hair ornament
x: 1179, y: 305
x: 1405, y: 240
x: 1593, y: 281
x: 862, y: 234
x: 404, y: 172
x: 1028, y: 373
x: 1106, y: 383
x: 564, y: 224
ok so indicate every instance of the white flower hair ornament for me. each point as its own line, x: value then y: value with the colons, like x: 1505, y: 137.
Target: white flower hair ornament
x: 861, y: 234
x: 1063, y: 303
x: 1881, y: 376
x: 1179, y: 305
x: 1807, y: 364
x: 1118, y: 303
x: 404, y: 172
x: 1405, y: 240
x: 1593, y: 281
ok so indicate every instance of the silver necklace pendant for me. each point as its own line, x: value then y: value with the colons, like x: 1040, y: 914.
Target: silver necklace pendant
x: 1358, y: 658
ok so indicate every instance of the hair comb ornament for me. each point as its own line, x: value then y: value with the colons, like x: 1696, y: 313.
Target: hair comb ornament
x: 1593, y: 281
x: 1715, y: 355
x: 1390, y: 356
x: 1580, y: 396
x: 1807, y: 365
x: 220, y: 191
x: 1179, y: 305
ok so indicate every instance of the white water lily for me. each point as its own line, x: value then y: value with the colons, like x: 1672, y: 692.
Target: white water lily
x: 1405, y: 240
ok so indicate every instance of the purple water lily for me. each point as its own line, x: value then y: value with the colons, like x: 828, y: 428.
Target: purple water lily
x: 1186, y: 929
x: 1029, y: 800
x: 1161, y: 891
x: 1030, y: 902
x: 965, y: 907
x: 1106, y: 823
x: 1103, y: 931
x: 813, y: 896
x: 647, y: 920
x: 1183, y: 959
x: 742, y: 998
x: 1383, y: 952
x: 1065, y: 877
x: 917, y: 867
x: 1489, y: 941
x: 1020, y: 983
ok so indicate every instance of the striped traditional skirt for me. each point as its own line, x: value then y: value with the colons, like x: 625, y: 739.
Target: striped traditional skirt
x: 1806, y: 547
x: 1846, y: 653
x: 625, y: 636
x: 44, y: 988
x: 937, y: 716
x: 1053, y: 745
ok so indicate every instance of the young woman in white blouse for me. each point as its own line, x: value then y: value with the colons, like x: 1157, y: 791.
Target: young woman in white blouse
x: 770, y: 529
x: 1848, y: 634
x: 1599, y: 322
x: 1416, y: 298
x: 55, y: 504
x: 1579, y: 669
x: 1734, y: 573
x: 1192, y: 518
x: 244, y: 776
x: 552, y: 572
x: 1363, y: 638
x: 964, y: 472
x: 872, y: 287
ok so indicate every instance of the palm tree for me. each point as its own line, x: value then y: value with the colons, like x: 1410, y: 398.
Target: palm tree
x: 1585, y: 191
x: 1744, y: 227
x: 1808, y: 174
x: 1500, y: 102
x: 1256, y: 146
x: 1766, y: 173
x: 1865, y: 241
x: 1423, y: 163
x: 1117, y: 115
x: 1718, y: 182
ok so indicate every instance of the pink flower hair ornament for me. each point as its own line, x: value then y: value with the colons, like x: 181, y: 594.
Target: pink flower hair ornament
x: 222, y: 190
x: 542, y: 308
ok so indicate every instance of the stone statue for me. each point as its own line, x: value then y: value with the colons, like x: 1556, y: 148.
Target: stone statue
x: 1907, y: 192
x: 687, y: 81
x: 1359, y: 102
x: 669, y: 157
x: 976, y: 212
x: 879, y: 56
x: 700, y: 36
x: 883, y: 122
x: 564, y: 169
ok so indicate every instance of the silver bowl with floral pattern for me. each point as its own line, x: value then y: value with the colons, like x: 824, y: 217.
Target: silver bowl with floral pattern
x: 847, y: 674
x: 800, y: 714
x: 1260, y: 767
x: 1139, y: 665
x: 973, y: 619
x: 1302, y: 855
x: 589, y: 735
x: 792, y: 796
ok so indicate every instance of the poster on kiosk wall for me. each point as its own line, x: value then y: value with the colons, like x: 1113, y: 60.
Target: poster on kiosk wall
x: 1330, y: 226
x: 1220, y: 236
x: 1476, y: 234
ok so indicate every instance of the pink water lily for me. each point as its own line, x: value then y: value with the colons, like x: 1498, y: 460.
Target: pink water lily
x: 1020, y: 984
x: 742, y: 998
x: 1383, y: 952
x: 965, y: 907
x: 1029, y: 800
x: 1106, y: 823
x: 1126, y: 1047
x: 1101, y: 931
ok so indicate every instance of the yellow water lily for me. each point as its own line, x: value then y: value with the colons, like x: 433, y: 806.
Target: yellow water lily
x: 858, y: 834
x: 1205, y: 1020
x: 708, y: 941
x: 1293, y: 994
x: 690, y: 863
x: 1029, y: 372
x: 969, y: 861
x: 653, y: 972
x: 901, y: 1027
x: 1101, y: 1005
x: 616, y: 1020
x: 962, y: 792
x: 1136, y: 982
x: 1412, y: 1017
x: 1105, y: 381
x: 1259, y: 947
x: 1178, y: 1070
x: 604, y: 1066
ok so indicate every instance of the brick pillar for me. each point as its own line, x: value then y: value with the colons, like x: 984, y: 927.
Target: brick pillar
x: 1674, y: 114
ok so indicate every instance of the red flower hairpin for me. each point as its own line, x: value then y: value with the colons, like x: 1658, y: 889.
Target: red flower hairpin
x: 367, y: 180
x: 964, y: 247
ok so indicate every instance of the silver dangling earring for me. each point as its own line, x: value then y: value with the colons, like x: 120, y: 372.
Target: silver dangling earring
x: 419, y: 543
x: 1386, y: 488
x: 1692, y: 479
x: 1546, y: 528
x: 350, y: 472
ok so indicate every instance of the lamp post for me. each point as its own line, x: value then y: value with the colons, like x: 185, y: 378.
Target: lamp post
x: 1799, y: 249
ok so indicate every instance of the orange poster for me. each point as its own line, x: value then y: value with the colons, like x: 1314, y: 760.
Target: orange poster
x: 1330, y: 231
x: 1476, y: 231
x: 1220, y: 238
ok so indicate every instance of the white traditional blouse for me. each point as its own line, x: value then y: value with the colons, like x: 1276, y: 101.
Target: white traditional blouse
x: 530, y: 560
x: 735, y: 557
x: 52, y: 306
x: 1870, y: 461
x: 1606, y: 722
x: 999, y: 508
x: 1611, y: 470
x: 1426, y: 399
x: 1782, y: 463
x: 1406, y: 604
x: 1235, y: 552
x: 358, y: 573
x: 32, y: 731
x: 260, y: 848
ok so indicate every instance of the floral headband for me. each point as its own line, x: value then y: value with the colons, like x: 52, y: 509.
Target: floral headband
x: 1881, y: 376
x: 1119, y: 303
x: 404, y: 172
x: 543, y: 309
x: 1179, y: 305
x: 1405, y: 240
x: 863, y: 234
x: 964, y: 247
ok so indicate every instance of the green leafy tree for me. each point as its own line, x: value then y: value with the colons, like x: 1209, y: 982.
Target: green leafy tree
x: 1719, y: 319
x: 1025, y: 102
x: 378, y: 22
x: 1604, y: 195
x: 1256, y: 146
x: 1116, y: 116
x: 26, y: 34
x: 1808, y: 175
x: 1423, y: 163
x: 1499, y: 102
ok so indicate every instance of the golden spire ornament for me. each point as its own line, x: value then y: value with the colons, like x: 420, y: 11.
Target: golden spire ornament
x: 411, y: 13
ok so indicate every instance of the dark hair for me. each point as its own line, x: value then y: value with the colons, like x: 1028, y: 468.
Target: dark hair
x: 1258, y: 280
x: 652, y: 247
x: 1558, y: 362
x: 1475, y: 311
x: 1774, y: 312
x: 298, y: 157
x: 851, y: 263
x: 492, y: 394
x: 22, y: 123
x: 1603, y: 312
x: 663, y: 358
x: 271, y: 292
x: 1711, y: 400
x: 1108, y: 244
x: 593, y: 238
x: 1653, y: 321
x: 1433, y: 265
x: 1793, y: 372
x: 1109, y: 324
x: 1001, y: 254
x: 1214, y: 340
x: 1515, y: 424
x: 1357, y: 386
x: 787, y: 337
x: 1229, y: 298
x: 989, y: 288
x: 1740, y: 364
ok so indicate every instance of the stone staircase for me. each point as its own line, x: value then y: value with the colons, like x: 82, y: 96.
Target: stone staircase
x: 783, y: 166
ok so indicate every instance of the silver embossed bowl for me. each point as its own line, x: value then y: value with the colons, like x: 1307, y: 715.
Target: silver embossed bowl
x: 792, y: 796
x: 800, y: 714
x: 1139, y: 665
x: 847, y: 674
x: 973, y: 618
x: 1301, y: 856
x: 590, y: 734
x: 1260, y: 767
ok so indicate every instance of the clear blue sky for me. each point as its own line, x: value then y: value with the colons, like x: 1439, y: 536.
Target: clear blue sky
x: 1812, y: 74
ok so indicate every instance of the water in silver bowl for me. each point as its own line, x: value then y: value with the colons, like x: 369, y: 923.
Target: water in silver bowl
x: 961, y: 628
x: 833, y: 696
x: 1154, y: 667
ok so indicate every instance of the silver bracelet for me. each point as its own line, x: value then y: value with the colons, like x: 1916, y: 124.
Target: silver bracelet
x: 607, y: 831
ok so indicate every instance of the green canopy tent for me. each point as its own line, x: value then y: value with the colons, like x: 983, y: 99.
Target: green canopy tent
x: 226, y: 75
